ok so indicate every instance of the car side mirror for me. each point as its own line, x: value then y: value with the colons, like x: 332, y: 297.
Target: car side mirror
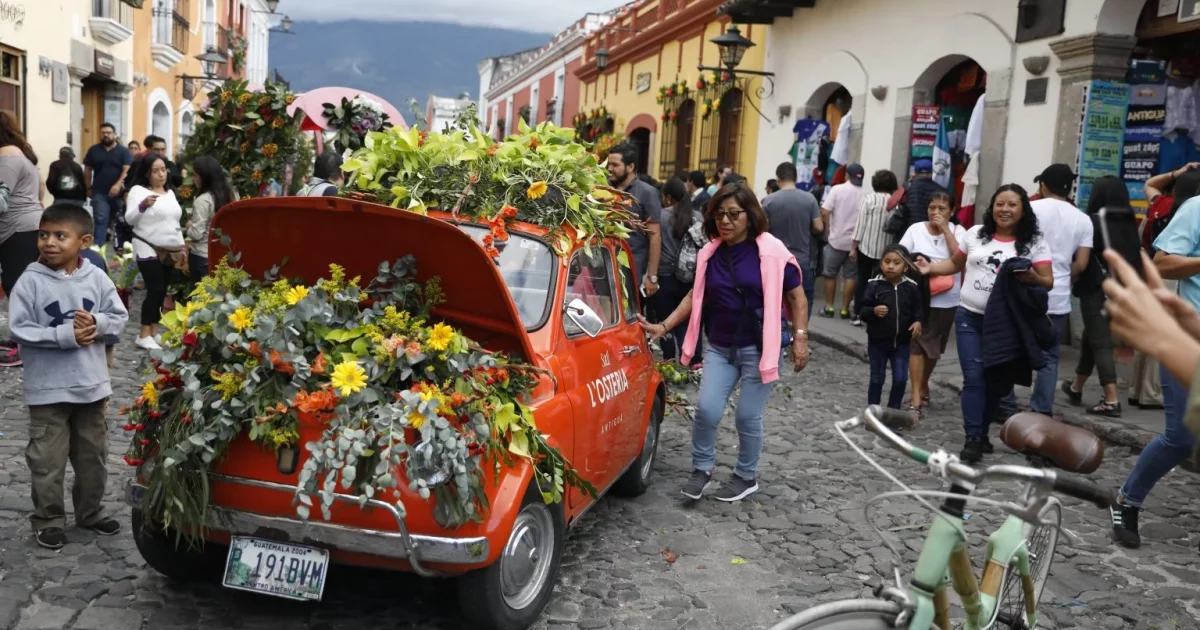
x: 584, y: 317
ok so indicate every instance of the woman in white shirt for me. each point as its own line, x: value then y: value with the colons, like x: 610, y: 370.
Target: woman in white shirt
x: 1010, y: 229
x: 154, y: 214
x: 935, y: 240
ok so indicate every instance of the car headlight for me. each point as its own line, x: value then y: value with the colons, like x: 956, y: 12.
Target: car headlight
x: 423, y: 470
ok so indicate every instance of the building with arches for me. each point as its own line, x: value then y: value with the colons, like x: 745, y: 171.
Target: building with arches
x: 1031, y: 63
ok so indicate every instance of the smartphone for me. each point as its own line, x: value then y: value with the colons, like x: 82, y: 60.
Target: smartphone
x: 1118, y: 227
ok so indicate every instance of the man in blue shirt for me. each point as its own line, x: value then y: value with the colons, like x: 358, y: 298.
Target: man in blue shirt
x: 105, y: 168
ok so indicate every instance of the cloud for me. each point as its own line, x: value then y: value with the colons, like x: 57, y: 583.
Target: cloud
x: 542, y: 16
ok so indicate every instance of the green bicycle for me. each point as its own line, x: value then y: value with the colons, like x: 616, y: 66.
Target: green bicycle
x: 1019, y: 553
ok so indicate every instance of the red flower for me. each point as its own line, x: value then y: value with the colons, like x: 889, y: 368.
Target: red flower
x: 140, y: 427
x: 664, y: 117
x: 130, y: 427
x: 190, y: 339
x: 488, y: 239
x: 187, y: 419
x: 144, y: 442
x: 154, y: 415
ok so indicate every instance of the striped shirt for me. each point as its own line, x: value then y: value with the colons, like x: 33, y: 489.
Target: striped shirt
x: 868, y: 231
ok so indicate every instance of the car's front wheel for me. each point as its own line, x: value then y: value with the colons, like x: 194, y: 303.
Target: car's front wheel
x: 511, y: 594
x: 178, y: 563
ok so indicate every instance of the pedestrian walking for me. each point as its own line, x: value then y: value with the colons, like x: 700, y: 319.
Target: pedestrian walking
x: 1097, y: 343
x: 840, y: 212
x: 58, y: 312
x: 794, y: 217
x: 894, y: 310
x: 105, y: 167
x: 154, y: 214
x: 135, y: 147
x: 676, y: 218
x: 214, y: 193
x: 19, y: 224
x: 744, y: 279
x: 869, y: 238
x: 646, y: 246
x: 935, y: 240
x: 327, y: 176
x: 718, y: 180
x: 65, y: 179
x: 698, y: 188
x: 917, y: 192
x: 155, y: 145
x: 1009, y: 230
x: 1176, y: 257
x: 772, y: 186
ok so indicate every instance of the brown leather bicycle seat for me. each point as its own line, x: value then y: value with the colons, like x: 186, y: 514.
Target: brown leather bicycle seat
x: 1072, y: 449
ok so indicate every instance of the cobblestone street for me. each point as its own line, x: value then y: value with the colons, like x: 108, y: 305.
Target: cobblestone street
x: 655, y: 562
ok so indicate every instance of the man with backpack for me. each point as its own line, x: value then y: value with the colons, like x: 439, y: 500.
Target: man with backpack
x: 65, y: 180
x: 327, y: 176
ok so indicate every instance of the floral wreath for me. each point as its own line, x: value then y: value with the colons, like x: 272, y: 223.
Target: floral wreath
x: 353, y: 119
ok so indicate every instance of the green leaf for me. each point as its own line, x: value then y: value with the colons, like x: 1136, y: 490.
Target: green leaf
x: 519, y: 444
x: 505, y: 417
x: 360, y: 346
x: 573, y: 202
x: 623, y: 259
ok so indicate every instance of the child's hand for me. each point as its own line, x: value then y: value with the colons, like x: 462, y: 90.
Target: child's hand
x: 881, y: 311
x: 83, y: 319
x: 85, y: 336
x: 915, y: 329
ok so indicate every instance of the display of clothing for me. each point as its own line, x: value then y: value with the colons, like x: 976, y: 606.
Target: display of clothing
x: 1182, y: 111
x: 974, y: 139
x: 806, y: 152
x: 841, y: 146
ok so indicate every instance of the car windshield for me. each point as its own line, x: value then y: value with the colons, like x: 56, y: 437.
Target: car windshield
x: 527, y: 266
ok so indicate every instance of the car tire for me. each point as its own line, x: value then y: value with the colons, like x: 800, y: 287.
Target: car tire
x: 512, y: 593
x: 160, y: 552
x: 636, y: 480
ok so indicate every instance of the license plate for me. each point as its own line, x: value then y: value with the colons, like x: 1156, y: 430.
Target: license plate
x: 275, y: 568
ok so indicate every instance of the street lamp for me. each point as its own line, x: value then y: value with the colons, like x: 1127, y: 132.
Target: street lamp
x: 602, y: 59
x: 211, y: 62
x: 732, y: 46
x: 272, y: 5
x: 285, y: 26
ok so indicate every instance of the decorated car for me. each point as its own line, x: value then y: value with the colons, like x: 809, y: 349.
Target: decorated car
x: 452, y: 415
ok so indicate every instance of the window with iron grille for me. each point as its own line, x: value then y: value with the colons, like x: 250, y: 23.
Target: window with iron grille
x: 666, y: 163
x: 684, y: 136
x: 12, y: 83
x: 180, y: 26
x: 729, y: 137
x: 708, y: 144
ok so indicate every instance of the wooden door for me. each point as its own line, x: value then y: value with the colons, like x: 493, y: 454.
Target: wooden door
x: 93, y: 116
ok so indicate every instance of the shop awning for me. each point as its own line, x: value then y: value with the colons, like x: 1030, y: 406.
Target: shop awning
x: 762, y: 11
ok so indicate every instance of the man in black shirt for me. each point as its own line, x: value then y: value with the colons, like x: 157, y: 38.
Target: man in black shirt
x: 622, y: 174
x: 155, y: 144
x: 65, y: 180
x: 105, y: 167
x: 918, y: 192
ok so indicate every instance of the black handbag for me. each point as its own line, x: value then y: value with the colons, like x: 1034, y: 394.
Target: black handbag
x: 897, y: 221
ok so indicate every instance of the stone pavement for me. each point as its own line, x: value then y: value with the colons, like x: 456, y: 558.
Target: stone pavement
x: 650, y: 563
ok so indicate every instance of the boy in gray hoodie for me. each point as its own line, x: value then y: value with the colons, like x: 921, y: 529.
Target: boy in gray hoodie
x: 58, y: 310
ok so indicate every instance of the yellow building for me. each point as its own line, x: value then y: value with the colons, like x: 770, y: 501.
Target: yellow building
x: 168, y: 36
x: 650, y: 88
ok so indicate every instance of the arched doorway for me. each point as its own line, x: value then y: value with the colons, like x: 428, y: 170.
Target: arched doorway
x: 640, y: 139
x: 160, y: 122
x: 685, y: 122
x: 945, y: 96
x: 824, y: 112
x: 729, y: 134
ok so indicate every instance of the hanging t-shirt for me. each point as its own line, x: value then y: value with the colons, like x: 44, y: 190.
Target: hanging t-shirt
x: 918, y: 240
x: 806, y: 153
x: 1065, y: 229
x: 983, y: 262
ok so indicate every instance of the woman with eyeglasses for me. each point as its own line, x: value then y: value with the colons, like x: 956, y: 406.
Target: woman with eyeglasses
x: 747, y: 292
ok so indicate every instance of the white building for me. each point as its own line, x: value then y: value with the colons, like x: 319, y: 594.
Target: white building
x: 441, y: 111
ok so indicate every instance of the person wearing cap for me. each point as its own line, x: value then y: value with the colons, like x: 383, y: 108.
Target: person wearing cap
x: 919, y: 190
x: 65, y: 179
x: 1068, y: 232
x: 840, y: 212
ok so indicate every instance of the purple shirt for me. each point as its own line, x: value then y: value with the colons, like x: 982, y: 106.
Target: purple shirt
x: 723, y: 307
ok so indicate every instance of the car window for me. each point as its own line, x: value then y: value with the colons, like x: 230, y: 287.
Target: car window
x: 628, y: 286
x: 527, y: 266
x: 590, y: 279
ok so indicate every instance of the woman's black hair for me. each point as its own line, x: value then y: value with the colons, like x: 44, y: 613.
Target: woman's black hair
x: 884, y: 181
x: 1186, y: 187
x: 942, y: 196
x: 681, y: 213
x: 145, y: 165
x: 1108, y: 191
x: 213, y: 181
x: 756, y: 219
x: 1026, y: 231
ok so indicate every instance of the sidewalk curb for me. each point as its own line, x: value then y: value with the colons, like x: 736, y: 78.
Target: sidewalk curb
x: 1113, y: 433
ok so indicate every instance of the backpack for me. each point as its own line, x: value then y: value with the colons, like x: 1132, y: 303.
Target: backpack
x: 689, y: 248
x: 1158, y: 216
x: 315, y: 189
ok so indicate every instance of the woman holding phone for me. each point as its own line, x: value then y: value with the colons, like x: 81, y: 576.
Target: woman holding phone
x: 1009, y: 230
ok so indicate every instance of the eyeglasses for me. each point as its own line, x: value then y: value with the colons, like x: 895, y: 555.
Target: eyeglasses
x: 732, y: 215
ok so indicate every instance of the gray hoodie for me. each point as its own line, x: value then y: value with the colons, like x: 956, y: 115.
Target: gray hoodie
x: 41, y: 317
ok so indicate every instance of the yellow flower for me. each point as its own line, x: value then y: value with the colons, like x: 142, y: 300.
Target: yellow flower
x: 296, y: 294
x: 416, y: 419
x: 150, y: 392
x: 440, y: 337
x: 349, y: 377
x: 242, y: 318
x: 537, y: 190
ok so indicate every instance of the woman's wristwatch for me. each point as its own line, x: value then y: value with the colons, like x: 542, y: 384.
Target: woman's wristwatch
x: 799, y: 334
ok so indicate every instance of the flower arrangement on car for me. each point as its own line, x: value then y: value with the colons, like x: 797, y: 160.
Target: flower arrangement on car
x: 385, y: 385
x: 353, y: 119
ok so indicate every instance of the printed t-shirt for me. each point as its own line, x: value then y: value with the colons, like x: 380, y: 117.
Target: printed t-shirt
x: 983, y: 262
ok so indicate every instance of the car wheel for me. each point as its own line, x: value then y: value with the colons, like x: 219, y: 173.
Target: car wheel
x: 636, y: 480
x: 179, y: 564
x: 512, y: 592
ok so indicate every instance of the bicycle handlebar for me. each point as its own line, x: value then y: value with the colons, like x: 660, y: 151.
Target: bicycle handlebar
x: 1084, y: 490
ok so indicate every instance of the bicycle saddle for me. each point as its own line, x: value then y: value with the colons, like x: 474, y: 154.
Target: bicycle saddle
x: 1072, y: 449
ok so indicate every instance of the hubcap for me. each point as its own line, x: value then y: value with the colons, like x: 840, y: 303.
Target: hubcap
x: 525, y: 564
x: 648, y: 447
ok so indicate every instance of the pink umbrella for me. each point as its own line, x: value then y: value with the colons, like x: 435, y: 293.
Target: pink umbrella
x: 312, y: 103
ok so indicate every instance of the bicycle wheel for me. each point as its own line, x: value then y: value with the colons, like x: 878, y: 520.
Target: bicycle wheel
x: 1041, y: 541
x: 850, y: 614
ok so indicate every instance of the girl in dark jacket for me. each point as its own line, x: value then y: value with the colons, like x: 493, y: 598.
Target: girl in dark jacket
x: 893, y: 309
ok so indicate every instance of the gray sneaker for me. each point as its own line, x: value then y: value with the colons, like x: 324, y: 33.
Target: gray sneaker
x: 736, y: 489
x: 697, y: 484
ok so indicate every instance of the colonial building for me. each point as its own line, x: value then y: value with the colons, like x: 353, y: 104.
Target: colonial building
x: 641, y: 79
x: 64, y: 69
x: 442, y: 111
x: 537, y: 85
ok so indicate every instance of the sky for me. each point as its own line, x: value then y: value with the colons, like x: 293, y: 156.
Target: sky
x: 542, y: 16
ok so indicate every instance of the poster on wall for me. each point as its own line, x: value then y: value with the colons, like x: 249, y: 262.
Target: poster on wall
x: 925, y: 121
x: 1102, y: 140
x: 112, y: 115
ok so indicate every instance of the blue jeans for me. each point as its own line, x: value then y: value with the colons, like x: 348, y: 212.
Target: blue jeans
x: 1045, y: 383
x: 809, y: 279
x: 721, y: 374
x: 1167, y: 451
x: 980, y: 398
x: 881, y: 355
x: 104, y: 208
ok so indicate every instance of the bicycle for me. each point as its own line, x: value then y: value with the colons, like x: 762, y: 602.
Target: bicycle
x: 1019, y: 552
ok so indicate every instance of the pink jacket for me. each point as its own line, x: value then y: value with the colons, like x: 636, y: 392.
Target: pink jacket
x: 773, y: 257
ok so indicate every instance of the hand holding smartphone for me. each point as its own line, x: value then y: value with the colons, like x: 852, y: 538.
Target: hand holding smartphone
x: 1118, y: 228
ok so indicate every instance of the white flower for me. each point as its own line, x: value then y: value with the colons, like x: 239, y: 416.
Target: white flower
x: 346, y: 154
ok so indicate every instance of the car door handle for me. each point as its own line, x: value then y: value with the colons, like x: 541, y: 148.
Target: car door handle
x: 631, y: 350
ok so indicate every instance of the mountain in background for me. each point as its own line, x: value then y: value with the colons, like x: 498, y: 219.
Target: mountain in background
x: 395, y: 60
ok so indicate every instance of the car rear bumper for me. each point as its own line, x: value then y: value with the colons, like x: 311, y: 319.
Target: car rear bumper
x: 417, y: 550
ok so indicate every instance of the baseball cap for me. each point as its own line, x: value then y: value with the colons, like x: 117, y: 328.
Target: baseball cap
x: 66, y: 152
x: 1057, y: 177
x: 923, y: 166
x: 855, y: 174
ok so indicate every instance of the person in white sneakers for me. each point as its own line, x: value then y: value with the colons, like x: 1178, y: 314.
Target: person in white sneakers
x: 154, y: 214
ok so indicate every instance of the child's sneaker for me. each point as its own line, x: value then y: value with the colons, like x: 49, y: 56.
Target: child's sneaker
x: 10, y: 355
x: 106, y: 527
x: 148, y: 343
x: 50, y: 538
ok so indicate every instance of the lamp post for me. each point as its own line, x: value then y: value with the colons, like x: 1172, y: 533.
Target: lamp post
x: 602, y: 59
x: 732, y: 47
x: 285, y: 27
x: 211, y: 63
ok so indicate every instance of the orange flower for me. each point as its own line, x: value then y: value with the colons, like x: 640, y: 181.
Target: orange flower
x: 413, y: 349
x: 186, y: 192
x: 245, y: 147
x: 290, y: 99
x: 280, y: 365
x: 474, y: 178
x: 492, y: 149
x: 488, y: 239
x: 256, y: 176
x: 319, y: 364
x: 235, y: 170
x: 423, y: 137
x: 320, y: 400
x: 508, y: 212
x: 254, y: 350
x: 270, y: 149
x: 533, y: 142
x: 279, y: 122
x: 492, y: 252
